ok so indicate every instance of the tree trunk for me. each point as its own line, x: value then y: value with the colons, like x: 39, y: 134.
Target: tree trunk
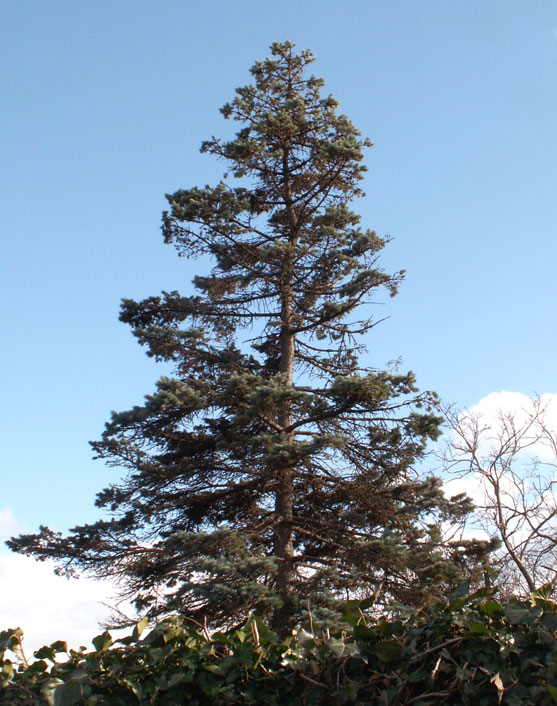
x: 283, y: 540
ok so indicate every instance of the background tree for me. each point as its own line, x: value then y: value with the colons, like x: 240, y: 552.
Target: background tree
x: 511, y: 457
x: 277, y: 471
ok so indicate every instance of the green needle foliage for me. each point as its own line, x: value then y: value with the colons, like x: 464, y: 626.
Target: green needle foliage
x: 276, y: 472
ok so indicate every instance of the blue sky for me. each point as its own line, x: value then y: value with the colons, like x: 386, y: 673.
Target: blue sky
x: 105, y: 105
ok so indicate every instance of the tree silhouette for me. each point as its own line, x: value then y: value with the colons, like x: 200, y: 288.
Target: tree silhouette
x: 272, y: 473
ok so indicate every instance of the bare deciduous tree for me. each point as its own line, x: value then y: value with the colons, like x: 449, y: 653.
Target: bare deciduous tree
x: 509, y: 460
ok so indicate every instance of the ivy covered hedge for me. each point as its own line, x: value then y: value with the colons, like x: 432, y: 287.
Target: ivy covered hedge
x: 469, y: 650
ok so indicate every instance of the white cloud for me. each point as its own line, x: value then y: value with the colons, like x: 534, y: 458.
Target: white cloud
x: 456, y: 486
x: 518, y: 406
x: 45, y: 606
x: 524, y: 483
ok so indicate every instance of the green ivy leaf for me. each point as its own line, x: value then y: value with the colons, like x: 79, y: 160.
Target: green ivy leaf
x: 69, y: 694
x: 337, y: 647
x: 479, y: 629
x: 491, y: 608
x: 102, y: 642
x: 177, y: 678
x: 139, y: 628
x: 7, y: 671
x: 49, y: 689
x: 351, y: 614
x: 544, y: 592
x: 240, y: 635
x: 362, y: 632
x: 388, y: 650
x: 11, y: 639
x: 549, y: 621
x: 462, y: 590
x: 60, y: 646
x: 39, y: 666
x: 209, y: 684
x: 518, y: 613
x: 46, y: 652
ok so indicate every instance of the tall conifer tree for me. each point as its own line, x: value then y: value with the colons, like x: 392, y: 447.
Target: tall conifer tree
x: 277, y: 471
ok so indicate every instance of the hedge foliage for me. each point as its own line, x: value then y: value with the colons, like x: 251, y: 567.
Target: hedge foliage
x: 469, y: 650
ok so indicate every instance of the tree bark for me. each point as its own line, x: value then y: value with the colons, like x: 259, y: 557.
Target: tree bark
x: 283, y: 540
